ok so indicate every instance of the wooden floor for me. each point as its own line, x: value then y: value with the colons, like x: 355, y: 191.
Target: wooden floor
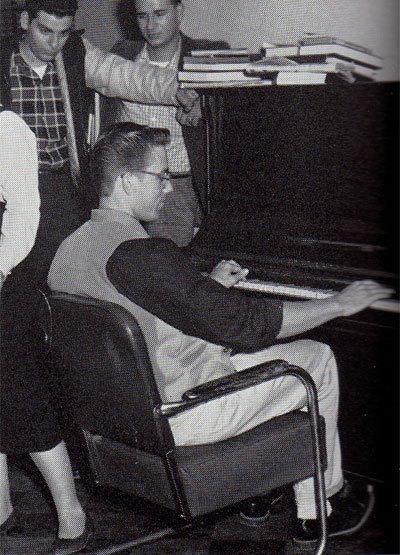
x: 118, y: 520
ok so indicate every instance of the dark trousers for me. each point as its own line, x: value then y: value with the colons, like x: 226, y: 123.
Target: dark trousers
x: 28, y: 420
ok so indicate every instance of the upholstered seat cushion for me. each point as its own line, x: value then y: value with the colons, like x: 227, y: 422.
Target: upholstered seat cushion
x: 276, y: 452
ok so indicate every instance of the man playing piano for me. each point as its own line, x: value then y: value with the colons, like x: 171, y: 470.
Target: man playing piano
x: 198, y: 328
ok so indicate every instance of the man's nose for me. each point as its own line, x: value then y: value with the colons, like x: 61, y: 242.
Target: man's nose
x: 151, y: 21
x: 55, y: 42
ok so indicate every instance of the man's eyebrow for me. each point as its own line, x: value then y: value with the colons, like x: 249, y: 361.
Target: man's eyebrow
x: 156, y: 12
x: 43, y: 27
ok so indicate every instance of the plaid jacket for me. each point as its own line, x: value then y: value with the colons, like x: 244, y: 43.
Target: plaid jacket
x: 81, y: 97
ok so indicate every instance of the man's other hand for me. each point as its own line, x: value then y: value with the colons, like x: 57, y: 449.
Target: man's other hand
x: 228, y: 272
x: 360, y: 295
x: 186, y: 98
x: 192, y: 117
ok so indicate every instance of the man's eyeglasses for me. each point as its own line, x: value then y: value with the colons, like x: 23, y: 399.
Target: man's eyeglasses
x: 163, y: 176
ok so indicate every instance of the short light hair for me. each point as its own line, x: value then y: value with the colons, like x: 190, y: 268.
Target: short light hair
x: 174, y: 2
x: 123, y: 148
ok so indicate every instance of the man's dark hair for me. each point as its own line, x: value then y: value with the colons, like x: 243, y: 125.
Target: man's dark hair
x: 60, y: 8
x: 124, y: 147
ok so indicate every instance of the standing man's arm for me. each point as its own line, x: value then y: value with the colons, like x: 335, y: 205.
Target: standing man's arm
x: 114, y: 76
x: 18, y: 190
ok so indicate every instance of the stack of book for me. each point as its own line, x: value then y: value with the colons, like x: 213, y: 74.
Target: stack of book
x: 314, y: 50
x: 219, y: 68
x: 285, y: 71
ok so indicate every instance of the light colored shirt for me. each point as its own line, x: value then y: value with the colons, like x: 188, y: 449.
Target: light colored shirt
x: 114, y: 76
x: 18, y: 190
x: 159, y: 116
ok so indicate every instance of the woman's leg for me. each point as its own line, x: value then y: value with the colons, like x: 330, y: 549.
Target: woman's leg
x: 5, y: 499
x: 55, y: 467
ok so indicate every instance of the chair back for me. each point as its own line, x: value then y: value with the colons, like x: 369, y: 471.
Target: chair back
x: 103, y: 364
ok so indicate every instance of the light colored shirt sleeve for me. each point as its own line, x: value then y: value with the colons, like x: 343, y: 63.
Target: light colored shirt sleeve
x: 19, y: 190
x: 116, y: 77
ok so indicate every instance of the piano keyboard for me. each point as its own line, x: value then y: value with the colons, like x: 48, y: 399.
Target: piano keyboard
x: 387, y: 305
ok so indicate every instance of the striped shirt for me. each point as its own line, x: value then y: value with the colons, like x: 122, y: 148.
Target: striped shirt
x: 39, y: 102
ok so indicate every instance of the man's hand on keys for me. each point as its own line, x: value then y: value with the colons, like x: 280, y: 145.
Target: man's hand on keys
x: 228, y: 272
x: 361, y: 294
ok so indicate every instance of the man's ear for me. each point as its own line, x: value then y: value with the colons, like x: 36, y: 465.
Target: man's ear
x: 128, y: 182
x: 24, y: 20
x: 125, y: 182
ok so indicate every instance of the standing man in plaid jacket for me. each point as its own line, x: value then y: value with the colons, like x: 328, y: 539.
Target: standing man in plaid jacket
x: 48, y: 77
x: 164, y: 45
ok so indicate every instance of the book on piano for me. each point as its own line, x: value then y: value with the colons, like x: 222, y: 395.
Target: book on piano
x: 345, y: 52
x: 256, y: 82
x: 313, y: 38
x: 274, y: 65
x: 220, y: 63
x: 318, y: 48
x: 222, y: 52
x: 280, y: 50
x: 357, y: 69
x: 212, y: 76
x: 299, y: 78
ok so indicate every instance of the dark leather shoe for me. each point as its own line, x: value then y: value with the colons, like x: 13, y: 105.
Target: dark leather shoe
x: 8, y: 524
x: 257, y: 510
x: 63, y: 546
x: 349, y: 513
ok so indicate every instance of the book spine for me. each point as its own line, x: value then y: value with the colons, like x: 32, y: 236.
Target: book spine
x: 225, y: 84
x: 321, y: 58
x: 314, y: 40
x: 213, y: 76
x: 281, y: 51
x: 233, y: 66
x: 297, y: 78
x: 344, y: 51
x: 324, y: 67
x: 230, y: 52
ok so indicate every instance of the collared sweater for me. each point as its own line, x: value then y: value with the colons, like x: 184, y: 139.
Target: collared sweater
x: 190, y: 322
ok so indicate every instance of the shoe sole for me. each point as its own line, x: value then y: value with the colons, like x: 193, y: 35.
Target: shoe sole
x: 261, y: 520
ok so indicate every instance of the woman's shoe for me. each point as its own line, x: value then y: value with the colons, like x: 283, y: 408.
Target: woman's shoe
x: 64, y: 546
x: 8, y: 524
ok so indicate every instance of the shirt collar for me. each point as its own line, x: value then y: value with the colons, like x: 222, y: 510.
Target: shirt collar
x: 117, y: 216
x: 144, y: 55
x: 24, y: 68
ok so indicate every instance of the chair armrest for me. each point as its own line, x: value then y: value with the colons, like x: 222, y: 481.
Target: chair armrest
x: 238, y: 380
x: 229, y: 384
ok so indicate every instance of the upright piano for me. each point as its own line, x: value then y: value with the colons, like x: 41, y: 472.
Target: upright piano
x: 303, y: 190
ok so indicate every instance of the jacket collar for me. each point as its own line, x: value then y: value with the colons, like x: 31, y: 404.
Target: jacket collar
x: 106, y: 215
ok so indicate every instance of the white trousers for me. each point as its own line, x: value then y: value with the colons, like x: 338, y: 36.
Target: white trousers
x: 238, y: 412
